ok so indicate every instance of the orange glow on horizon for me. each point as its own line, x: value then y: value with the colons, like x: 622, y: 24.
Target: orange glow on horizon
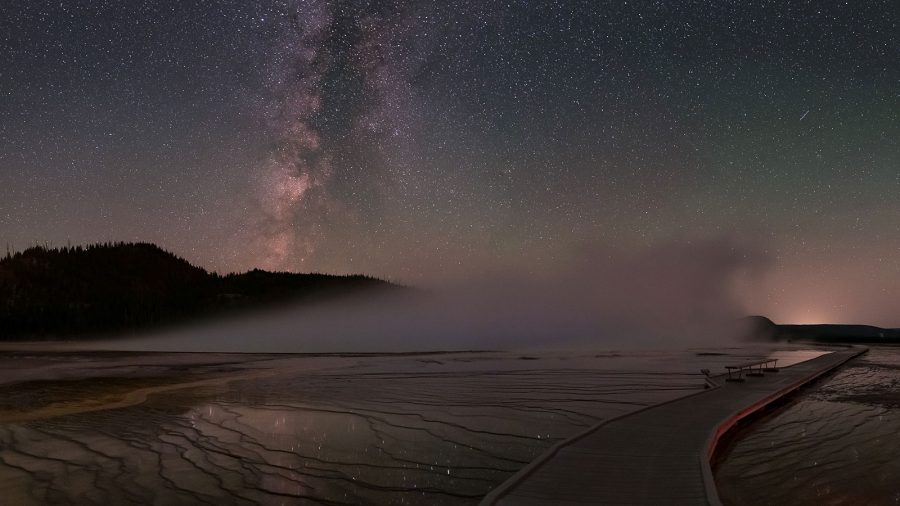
x: 808, y: 317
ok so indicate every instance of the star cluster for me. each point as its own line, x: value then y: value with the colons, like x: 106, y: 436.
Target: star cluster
x: 421, y: 140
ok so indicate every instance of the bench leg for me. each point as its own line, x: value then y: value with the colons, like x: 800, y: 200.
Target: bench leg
x: 734, y: 379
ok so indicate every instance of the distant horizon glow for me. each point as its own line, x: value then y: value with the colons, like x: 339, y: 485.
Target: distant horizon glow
x: 809, y: 318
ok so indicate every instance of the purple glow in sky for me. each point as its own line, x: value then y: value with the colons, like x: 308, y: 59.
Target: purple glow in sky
x: 433, y: 141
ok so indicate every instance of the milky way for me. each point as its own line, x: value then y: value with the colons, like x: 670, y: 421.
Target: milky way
x: 294, y: 200
x: 293, y: 192
x: 425, y: 141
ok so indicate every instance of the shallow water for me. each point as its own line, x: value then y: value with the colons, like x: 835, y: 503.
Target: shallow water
x: 838, y: 442
x: 420, y: 429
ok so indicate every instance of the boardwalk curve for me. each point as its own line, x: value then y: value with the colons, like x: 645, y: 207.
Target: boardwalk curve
x: 657, y: 455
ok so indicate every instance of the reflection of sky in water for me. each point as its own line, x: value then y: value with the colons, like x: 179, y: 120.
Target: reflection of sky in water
x: 835, y: 444
x: 436, y: 429
x: 788, y: 358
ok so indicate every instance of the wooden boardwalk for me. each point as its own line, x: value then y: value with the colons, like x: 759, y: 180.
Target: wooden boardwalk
x: 658, y: 455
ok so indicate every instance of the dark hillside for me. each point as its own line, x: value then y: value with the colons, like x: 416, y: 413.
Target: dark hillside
x: 762, y: 328
x: 116, y: 287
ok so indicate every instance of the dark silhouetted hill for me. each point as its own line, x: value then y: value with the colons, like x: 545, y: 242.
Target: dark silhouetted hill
x: 109, y: 288
x: 760, y: 327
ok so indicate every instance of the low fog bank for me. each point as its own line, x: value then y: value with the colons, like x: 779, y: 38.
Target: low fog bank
x: 670, y: 296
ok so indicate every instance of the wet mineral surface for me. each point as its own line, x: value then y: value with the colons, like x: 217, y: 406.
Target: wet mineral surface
x: 163, y: 428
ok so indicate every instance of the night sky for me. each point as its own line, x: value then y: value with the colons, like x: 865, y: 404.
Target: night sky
x: 424, y: 141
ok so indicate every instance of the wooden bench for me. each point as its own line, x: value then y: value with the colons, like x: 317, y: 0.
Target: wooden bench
x: 736, y: 372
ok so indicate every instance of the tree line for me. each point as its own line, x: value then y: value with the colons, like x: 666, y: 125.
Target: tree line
x: 110, y: 288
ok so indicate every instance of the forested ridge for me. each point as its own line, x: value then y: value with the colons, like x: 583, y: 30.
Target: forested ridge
x: 114, y: 287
